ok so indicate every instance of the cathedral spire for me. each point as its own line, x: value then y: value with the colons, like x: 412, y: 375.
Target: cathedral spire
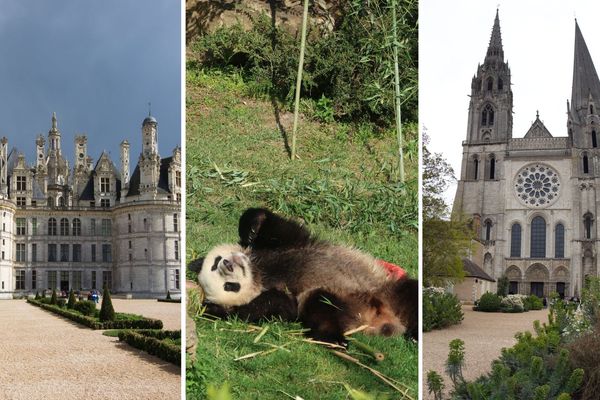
x: 494, y: 51
x: 585, y: 78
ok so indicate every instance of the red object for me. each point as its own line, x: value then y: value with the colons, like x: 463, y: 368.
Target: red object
x: 393, y: 270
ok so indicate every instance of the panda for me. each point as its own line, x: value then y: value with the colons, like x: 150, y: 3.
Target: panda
x: 278, y: 269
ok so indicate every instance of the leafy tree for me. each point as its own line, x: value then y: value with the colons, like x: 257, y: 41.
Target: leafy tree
x: 71, y: 302
x: 503, y: 284
x: 107, y: 312
x: 445, y: 241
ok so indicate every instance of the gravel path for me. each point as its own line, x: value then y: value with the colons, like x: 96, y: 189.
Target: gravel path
x: 484, y: 334
x: 45, y: 356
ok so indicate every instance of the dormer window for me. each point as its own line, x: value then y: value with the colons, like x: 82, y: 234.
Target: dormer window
x: 21, y: 183
x: 104, y: 185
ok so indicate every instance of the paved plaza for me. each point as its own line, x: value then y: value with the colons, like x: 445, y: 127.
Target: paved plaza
x: 45, y: 356
x: 484, y: 334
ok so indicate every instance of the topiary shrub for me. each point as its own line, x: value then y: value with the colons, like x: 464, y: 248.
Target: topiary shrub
x: 440, y: 309
x: 53, y: 297
x: 107, y: 312
x: 37, y: 295
x: 168, y: 295
x: 86, y: 307
x: 489, y: 302
x: 503, y: 284
x: 71, y: 302
x: 61, y: 303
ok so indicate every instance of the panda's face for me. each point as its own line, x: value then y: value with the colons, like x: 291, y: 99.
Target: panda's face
x: 226, y: 277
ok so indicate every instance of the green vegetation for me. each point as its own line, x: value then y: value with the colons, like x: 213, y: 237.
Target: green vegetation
x: 445, y: 241
x: 440, y: 309
x: 283, y: 362
x: 163, y: 344
x: 107, y: 312
x: 532, y: 302
x: 352, y: 66
x: 343, y: 186
x: 121, y: 320
x: 489, y: 302
x: 53, y: 299
x: 71, y: 302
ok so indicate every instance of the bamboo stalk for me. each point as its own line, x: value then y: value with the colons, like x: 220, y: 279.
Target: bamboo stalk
x: 397, y: 94
x: 299, y: 78
x: 377, y: 355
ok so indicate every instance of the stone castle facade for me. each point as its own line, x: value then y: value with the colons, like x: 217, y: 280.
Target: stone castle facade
x: 93, y: 224
x: 535, y: 199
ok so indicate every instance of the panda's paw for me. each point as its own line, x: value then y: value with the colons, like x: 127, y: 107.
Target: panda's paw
x: 215, y: 311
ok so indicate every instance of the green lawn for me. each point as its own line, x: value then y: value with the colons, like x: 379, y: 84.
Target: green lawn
x: 343, y: 186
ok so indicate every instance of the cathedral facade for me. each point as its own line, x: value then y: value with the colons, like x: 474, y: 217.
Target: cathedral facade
x: 534, y: 200
x: 93, y: 224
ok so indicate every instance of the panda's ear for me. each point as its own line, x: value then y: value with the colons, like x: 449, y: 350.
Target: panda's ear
x: 196, y: 265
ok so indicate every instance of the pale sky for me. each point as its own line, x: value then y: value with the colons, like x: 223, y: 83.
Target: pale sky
x: 538, y: 38
x: 97, y: 64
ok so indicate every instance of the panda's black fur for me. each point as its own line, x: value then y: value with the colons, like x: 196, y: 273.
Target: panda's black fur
x: 329, y: 288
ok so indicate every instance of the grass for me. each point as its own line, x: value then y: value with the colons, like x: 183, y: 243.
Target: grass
x: 343, y: 186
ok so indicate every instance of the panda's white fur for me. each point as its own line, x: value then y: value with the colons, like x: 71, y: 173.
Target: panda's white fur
x: 213, y: 280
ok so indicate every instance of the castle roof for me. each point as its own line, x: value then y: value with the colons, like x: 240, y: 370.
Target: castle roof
x: 163, y: 179
x: 473, y: 270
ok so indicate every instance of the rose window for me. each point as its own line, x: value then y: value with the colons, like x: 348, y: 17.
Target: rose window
x: 537, y: 185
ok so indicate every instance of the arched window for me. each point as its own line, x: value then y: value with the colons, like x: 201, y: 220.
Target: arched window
x: 515, y: 240
x: 586, y: 167
x: 594, y: 139
x: 490, y: 84
x: 61, y: 201
x: 76, y: 227
x: 538, y: 238
x: 52, y: 227
x: 487, y: 116
x: 64, y: 227
x: 50, y: 202
x: 493, y: 168
x: 559, y: 241
x: 488, y: 230
x: 475, y: 168
x: 500, y: 84
x: 591, y: 108
x: 587, y: 226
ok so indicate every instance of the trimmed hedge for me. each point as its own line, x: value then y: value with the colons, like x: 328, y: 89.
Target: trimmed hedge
x: 489, y: 302
x: 94, y: 323
x: 169, y: 300
x: 151, y: 342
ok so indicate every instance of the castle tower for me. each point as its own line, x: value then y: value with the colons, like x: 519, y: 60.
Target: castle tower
x: 81, y: 166
x: 54, y: 136
x: 40, y: 153
x: 149, y: 162
x: 124, y: 168
x: 4, y: 167
x: 490, y: 109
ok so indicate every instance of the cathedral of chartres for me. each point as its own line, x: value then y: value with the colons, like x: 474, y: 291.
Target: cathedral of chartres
x: 91, y: 224
x: 534, y: 199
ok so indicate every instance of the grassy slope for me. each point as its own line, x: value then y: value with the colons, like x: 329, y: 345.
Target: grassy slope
x: 236, y: 158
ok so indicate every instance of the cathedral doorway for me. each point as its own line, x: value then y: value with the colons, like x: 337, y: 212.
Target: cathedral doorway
x: 513, y: 287
x: 560, y: 289
x: 537, y: 288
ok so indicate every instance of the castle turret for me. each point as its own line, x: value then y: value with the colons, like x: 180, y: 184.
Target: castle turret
x: 149, y: 162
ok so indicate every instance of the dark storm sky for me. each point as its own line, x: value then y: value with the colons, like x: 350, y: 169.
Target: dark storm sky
x: 97, y: 64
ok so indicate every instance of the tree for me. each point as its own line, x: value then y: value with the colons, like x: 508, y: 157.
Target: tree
x: 107, y: 312
x: 503, y: 285
x: 445, y: 241
x: 53, y: 297
x: 71, y: 302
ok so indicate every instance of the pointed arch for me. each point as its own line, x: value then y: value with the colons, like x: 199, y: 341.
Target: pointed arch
x: 487, y: 115
x: 559, y: 241
x: 515, y: 240
x: 586, y: 164
x: 588, y: 223
x: 500, y: 84
x: 487, y: 229
x: 594, y: 139
x: 538, y: 238
x: 490, y: 84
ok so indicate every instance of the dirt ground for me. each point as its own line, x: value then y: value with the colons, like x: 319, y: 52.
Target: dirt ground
x: 484, y: 334
x: 45, y: 356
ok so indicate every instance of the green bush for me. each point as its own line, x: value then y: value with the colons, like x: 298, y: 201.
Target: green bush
x: 61, y: 303
x: 350, y: 67
x: 503, y: 285
x: 154, y: 343
x: 489, y: 302
x: 53, y: 297
x: 107, y: 312
x: 122, y: 321
x: 532, y: 302
x: 440, y: 310
x: 71, y: 302
x: 86, y: 307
